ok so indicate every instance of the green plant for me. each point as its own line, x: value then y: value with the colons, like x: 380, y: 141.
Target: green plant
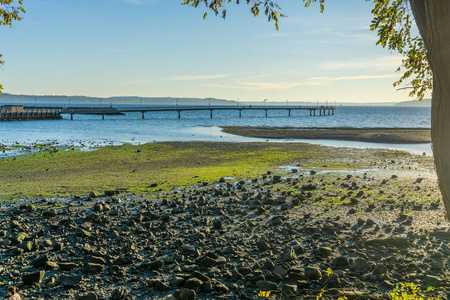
x: 410, y: 291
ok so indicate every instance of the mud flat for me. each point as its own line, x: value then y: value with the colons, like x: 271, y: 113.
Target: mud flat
x: 162, y: 167
x: 373, y: 135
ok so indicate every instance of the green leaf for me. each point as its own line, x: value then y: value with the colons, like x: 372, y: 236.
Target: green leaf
x: 29, y: 246
x: 86, y: 233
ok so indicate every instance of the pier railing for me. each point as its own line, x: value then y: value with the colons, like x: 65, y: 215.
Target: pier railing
x: 28, y: 113
x: 322, y: 110
x: 221, y: 107
x: 52, y: 112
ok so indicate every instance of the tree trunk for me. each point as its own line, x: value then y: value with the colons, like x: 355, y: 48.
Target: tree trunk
x: 433, y: 19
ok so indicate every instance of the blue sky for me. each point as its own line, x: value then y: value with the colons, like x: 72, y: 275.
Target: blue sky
x: 159, y: 48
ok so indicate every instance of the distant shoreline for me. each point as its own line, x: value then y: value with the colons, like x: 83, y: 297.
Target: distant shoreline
x: 133, y: 100
x: 371, y: 135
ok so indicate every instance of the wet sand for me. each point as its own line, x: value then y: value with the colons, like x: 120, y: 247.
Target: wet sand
x: 372, y: 135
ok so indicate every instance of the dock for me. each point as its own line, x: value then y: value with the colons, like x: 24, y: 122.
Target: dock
x: 29, y: 113
x: 103, y: 111
x: 20, y: 113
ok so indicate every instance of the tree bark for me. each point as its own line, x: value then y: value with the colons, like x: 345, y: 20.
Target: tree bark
x: 433, y: 20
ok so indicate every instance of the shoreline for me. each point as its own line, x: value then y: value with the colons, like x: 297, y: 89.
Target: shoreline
x: 371, y: 135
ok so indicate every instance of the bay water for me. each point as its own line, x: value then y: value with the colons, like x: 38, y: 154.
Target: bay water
x: 91, y: 130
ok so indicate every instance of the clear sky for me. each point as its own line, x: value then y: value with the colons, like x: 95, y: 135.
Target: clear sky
x: 159, y: 48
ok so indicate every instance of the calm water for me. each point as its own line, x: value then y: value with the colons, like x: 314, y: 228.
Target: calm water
x: 197, y: 126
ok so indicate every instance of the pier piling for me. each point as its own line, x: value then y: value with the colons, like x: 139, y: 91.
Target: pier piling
x: 323, y: 110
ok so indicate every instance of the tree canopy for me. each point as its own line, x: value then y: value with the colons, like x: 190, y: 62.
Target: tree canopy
x: 392, y: 20
x: 9, y: 13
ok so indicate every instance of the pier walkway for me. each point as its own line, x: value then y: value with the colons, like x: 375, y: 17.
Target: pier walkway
x: 25, y: 113
x: 313, y: 110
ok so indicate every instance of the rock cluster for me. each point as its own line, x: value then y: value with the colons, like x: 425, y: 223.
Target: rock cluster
x: 230, y: 240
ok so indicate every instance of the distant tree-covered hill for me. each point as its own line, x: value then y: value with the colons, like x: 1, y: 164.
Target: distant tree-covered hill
x: 423, y: 103
x: 135, y: 100
x: 132, y: 100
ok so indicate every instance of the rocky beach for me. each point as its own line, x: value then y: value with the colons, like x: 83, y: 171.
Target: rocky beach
x: 357, y: 225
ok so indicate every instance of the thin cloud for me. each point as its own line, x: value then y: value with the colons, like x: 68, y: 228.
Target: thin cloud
x: 257, y: 86
x: 359, y: 77
x: 179, y: 78
x: 382, y: 63
x: 337, y: 37
x: 142, y: 81
x: 269, y: 85
x: 257, y: 76
x: 197, y: 77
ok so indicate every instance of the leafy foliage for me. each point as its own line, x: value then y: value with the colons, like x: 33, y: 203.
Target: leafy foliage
x: 271, y: 9
x: 393, y: 21
x: 8, y: 14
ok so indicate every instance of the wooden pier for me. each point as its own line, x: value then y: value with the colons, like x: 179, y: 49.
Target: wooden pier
x: 91, y: 111
x: 29, y: 113
x: 313, y: 110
